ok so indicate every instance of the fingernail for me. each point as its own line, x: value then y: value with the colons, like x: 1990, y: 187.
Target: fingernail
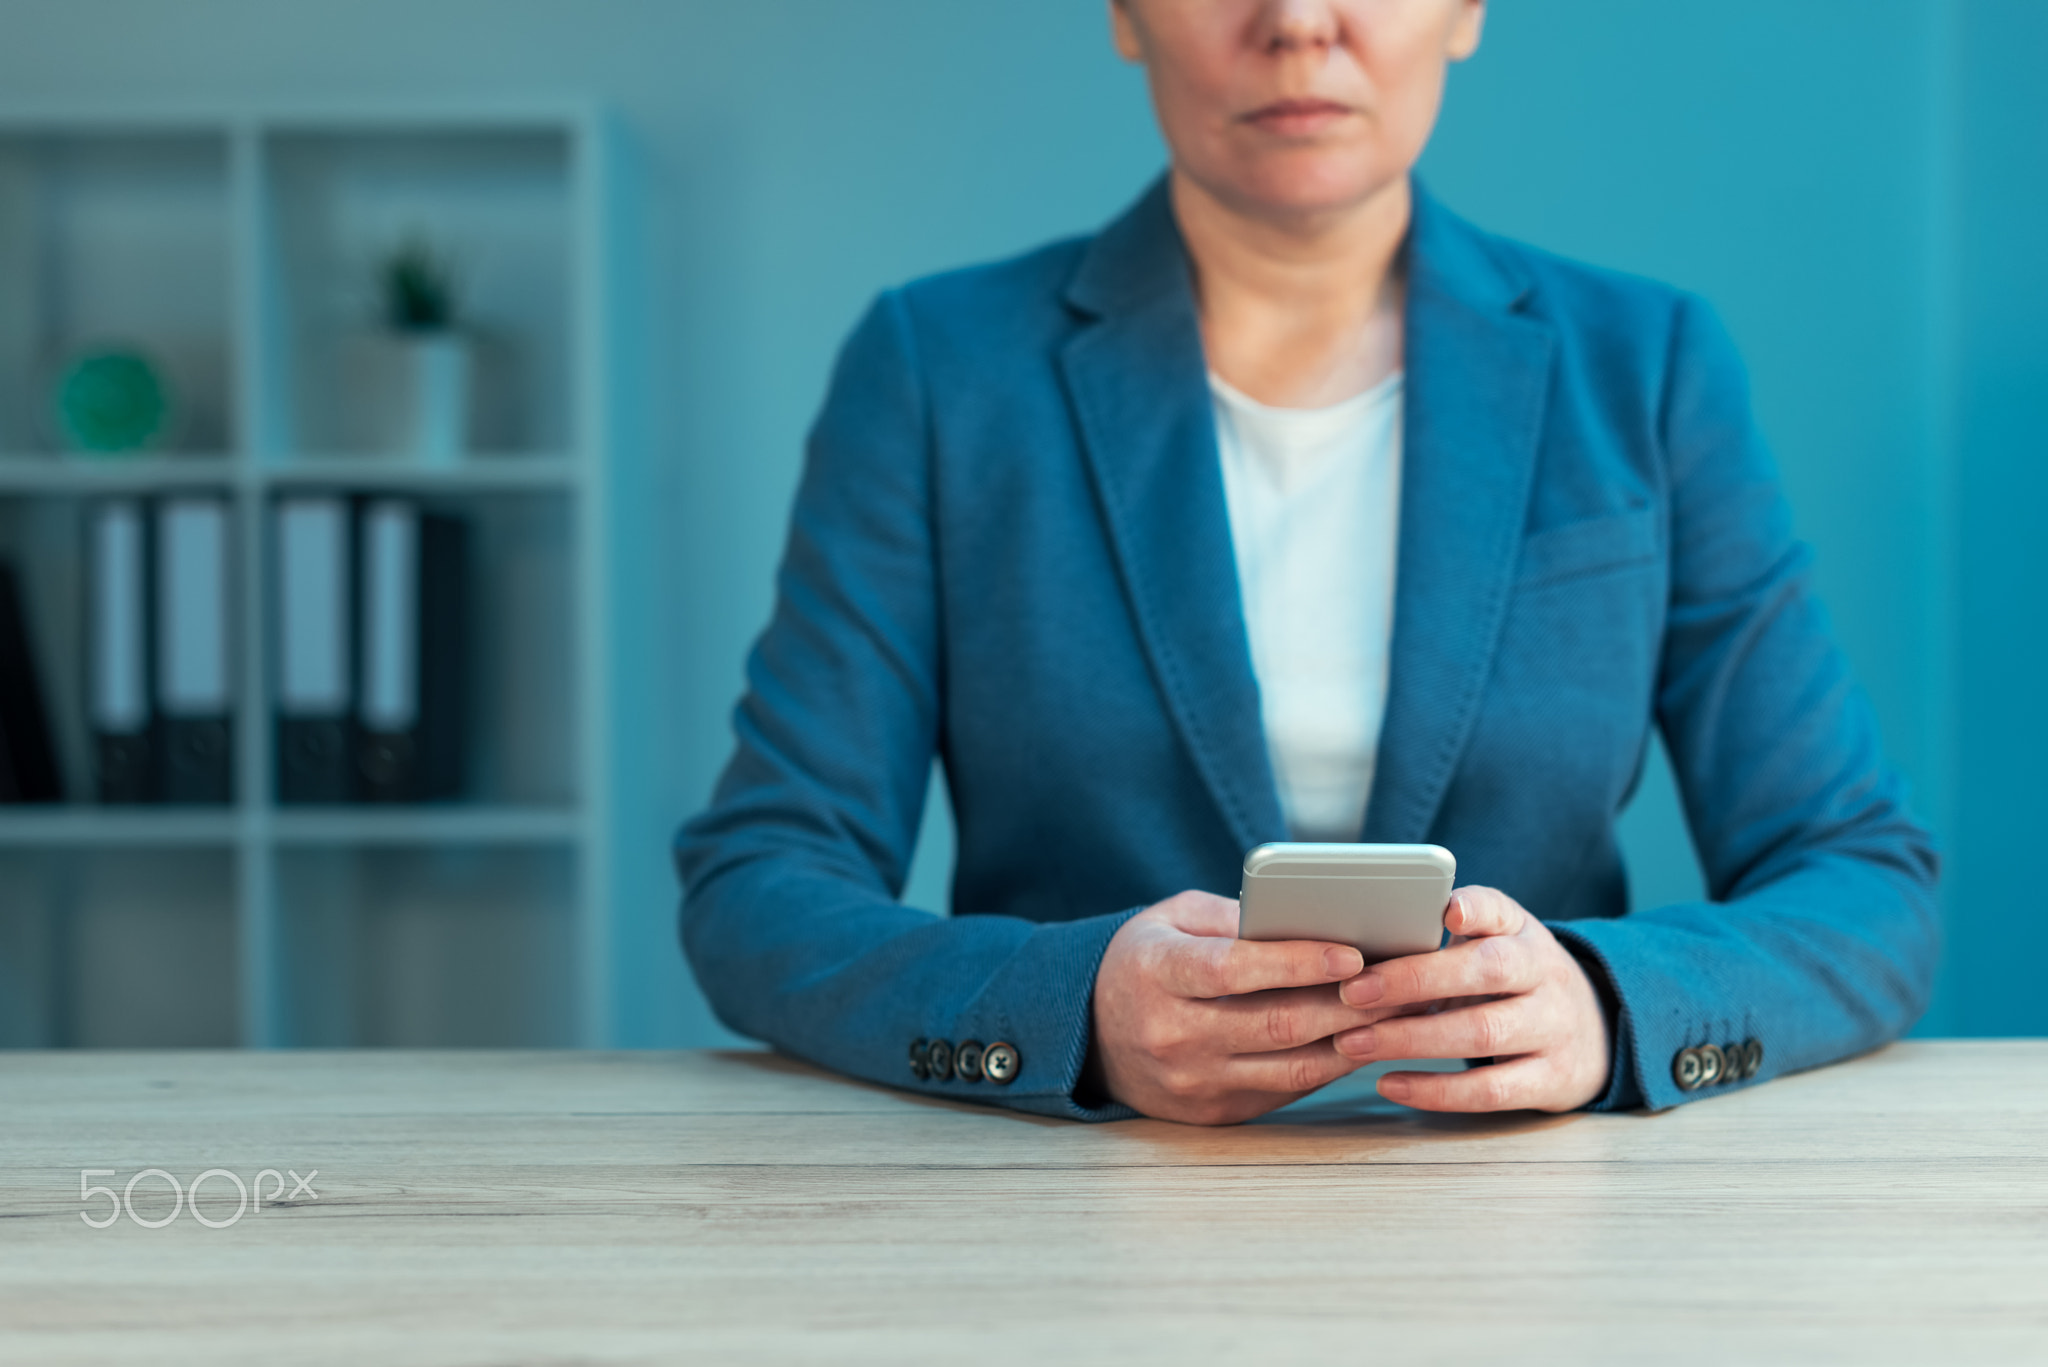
x: 1363, y: 991
x: 1457, y: 910
x: 1356, y: 1043
x: 1395, y: 1088
x: 1341, y: 962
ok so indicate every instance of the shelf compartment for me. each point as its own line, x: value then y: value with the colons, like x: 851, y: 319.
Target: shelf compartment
x: 458, y: 945
x: 497, y: 202
x: 521, y: 736
x: 44, y: 536
x: 115, y: 238
x: 117, y: 948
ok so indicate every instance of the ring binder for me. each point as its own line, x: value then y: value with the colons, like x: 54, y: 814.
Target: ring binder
x: 415, y: 644
x: 313, y: 664
x: 194, y: 669
x: 28, y: 757
x: 117, y: 666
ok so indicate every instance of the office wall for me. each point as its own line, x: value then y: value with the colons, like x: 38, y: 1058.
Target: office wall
x: 1998, y: 411
x: 1854, y: 183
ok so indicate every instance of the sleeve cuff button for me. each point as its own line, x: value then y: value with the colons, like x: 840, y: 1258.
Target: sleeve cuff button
x: 1000, y: 1063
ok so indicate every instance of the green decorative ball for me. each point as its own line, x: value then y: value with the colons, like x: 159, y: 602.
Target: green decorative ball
x: 111, y: 401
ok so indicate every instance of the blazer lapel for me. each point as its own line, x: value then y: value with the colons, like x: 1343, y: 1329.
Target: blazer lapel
x: 1138, y: 383
x: 1478, y: 373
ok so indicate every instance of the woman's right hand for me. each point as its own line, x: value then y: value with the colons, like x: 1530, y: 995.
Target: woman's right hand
x: 1194, y: 1024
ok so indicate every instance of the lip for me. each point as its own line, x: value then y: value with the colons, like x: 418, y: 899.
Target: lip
x: 1298, y: 117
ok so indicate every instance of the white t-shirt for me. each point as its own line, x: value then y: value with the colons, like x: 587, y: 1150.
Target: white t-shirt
x: 1315, y: 510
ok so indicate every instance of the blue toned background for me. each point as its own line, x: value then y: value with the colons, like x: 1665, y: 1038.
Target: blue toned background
x: 1861, y: 187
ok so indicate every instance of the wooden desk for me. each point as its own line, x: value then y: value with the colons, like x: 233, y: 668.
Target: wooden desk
x: 736, y: 1208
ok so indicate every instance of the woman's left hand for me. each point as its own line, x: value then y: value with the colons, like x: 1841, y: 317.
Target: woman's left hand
x: 1505, y: 989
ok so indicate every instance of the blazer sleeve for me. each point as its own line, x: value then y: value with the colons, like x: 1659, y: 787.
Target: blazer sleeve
x: 791, y: 877
x: 1820, y: 937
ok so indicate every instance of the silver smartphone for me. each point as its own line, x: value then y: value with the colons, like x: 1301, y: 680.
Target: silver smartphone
x: 1385, y: 900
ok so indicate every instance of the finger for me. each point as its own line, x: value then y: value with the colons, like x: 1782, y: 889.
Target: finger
x: 1290, y: 1071
x: 1262, y: 1022
x: 1478, y: 911
x: 1204, y: 966
x: 1201, y: 913
x: 1523, y: 1083
x: 1486, y: 967
x: 1515, y: 1025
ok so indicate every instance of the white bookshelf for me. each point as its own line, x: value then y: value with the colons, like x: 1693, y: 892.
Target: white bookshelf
x: 88, y: 476
x: 238, y: 248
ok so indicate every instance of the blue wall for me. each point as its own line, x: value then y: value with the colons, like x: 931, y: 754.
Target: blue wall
x: 1998, y: 281
x: 1858, y: 185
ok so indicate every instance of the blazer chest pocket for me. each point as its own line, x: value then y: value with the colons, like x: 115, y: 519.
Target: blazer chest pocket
x: 1593, y: 545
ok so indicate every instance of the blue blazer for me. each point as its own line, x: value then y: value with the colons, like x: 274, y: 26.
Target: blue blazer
x: 1010, y: 550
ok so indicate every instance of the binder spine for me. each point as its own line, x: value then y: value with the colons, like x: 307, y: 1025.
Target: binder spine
x: 314, y: 634
x: 194, y: 667
x: 414, y: 611
x: 313, y: 760
x: 28, y: 753
x: 444, y: 653
x: 119, y: 653
x: 386, y: 752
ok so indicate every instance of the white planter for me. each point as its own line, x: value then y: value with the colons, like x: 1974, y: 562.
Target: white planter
x: 438, y: 366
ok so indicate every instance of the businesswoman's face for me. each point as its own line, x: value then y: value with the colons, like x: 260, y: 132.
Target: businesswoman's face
x: 1296, y: 107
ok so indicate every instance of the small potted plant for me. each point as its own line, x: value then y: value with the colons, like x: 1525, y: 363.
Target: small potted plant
x: 419, y: 293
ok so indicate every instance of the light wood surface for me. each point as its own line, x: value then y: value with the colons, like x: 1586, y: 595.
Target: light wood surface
x: 741, y: 1208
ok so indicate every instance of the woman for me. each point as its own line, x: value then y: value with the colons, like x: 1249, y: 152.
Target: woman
x: 1291, y: 505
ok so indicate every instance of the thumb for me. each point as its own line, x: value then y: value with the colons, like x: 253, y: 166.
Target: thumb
x: 1200, y: 913
x: 1474, y: 912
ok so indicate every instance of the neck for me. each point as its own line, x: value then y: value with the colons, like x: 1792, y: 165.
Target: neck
x: 1298, y: 310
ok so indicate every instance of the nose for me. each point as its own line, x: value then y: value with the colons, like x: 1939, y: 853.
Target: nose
x: 1297, y: 25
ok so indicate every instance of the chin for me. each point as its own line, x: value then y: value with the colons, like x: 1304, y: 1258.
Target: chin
x: 1309, y: 185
